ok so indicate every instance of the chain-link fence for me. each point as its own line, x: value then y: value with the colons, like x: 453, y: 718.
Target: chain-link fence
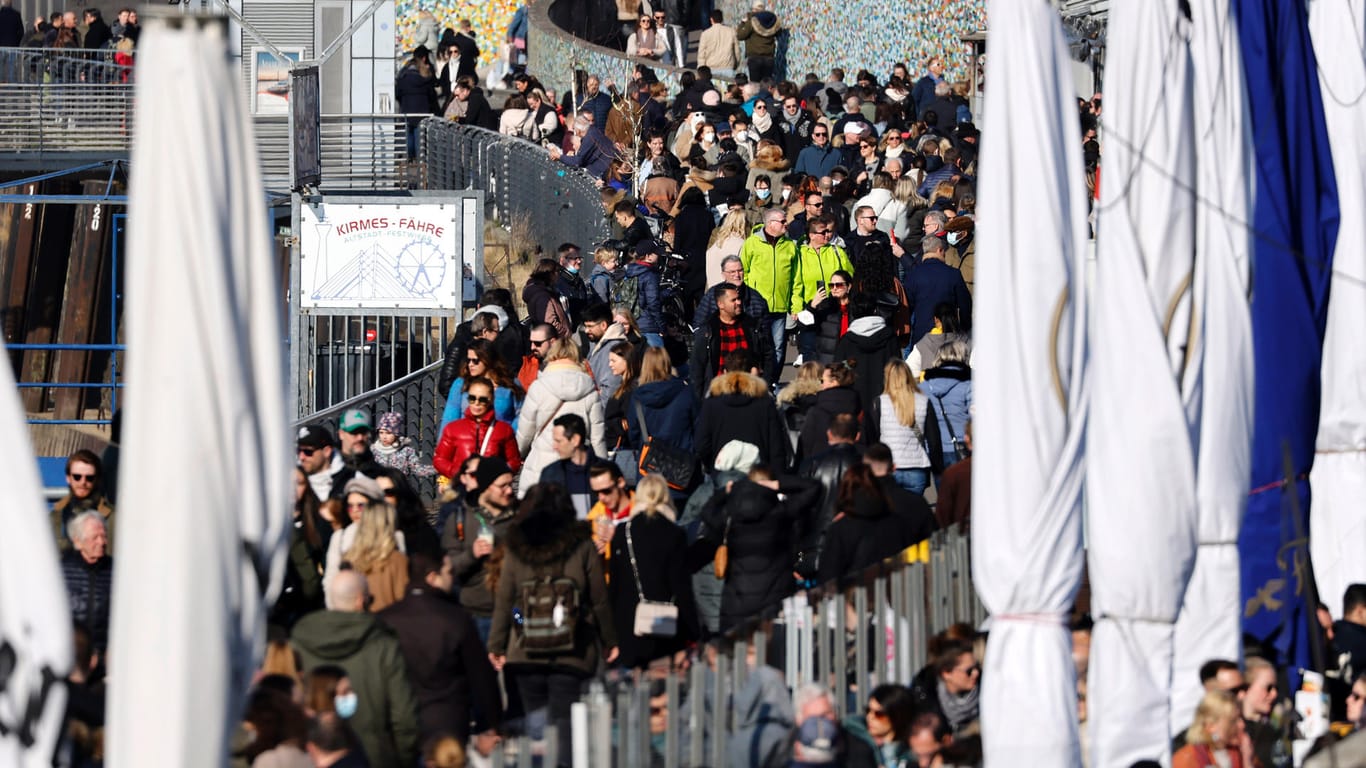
x: 523, y: 186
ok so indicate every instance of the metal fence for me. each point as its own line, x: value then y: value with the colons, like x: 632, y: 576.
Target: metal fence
x: 38, y: 66
x: 523, y: 186
x: 347, y: 356
x: 359, y: 151
x: 848, y: 638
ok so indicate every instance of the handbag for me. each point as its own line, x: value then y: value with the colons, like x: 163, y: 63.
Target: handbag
x: 659, y: 458
x: 653, y: 618
x: 721, y: 561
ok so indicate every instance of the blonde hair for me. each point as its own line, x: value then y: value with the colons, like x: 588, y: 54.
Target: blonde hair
x: 808, y: 382
x: 562, y: 349
x: 736, y: 224
x: 374, y: 537
x: 654, y: 366
x: 652, y: 498
x: 943, y: 189
x: 905, y: 191
x: 1215, y: 706
x: 444, y: 752
x: 603, y: 254
x: 899, y: 386
x: 282, y: 659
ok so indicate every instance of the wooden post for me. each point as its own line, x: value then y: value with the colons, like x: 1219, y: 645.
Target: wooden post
x: 42, y: 303
x: 86, y: 284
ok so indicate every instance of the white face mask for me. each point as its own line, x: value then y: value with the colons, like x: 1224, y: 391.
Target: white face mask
x: 955, y: 238
x: 786, y: 193
x: 709, y: 137
x: 740, y: 135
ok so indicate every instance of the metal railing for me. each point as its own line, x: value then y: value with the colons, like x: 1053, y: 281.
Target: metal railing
x: 523, y: 186
x: 415, y: 397
x: 49, y: 118
x: 348, y: 356
x: 893, y: 605
x: 40, y: 66
x: 359, y: 151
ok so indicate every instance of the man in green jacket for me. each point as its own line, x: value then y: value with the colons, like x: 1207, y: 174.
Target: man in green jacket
x: 759, y: 32
x: 770, y: 261
x: 385, y: 716
x: 817, y: 262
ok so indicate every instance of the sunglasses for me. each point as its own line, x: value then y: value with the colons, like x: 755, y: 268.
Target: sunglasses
x: 894, y: 137
x: 391, y: 492
x: 817, y: 205
x: 81, y: 478
x: 838, y: 285
x: 361, y: 505
x: 760, y: 105
x: 307, y: 451
x: 1354, y: 696
x: 821, y: 232
x: 538, y: 342
x: 605, y: 491
x: 880, y: 714
x: 480, y: 400
x: 473, y: 360
x: 819, y: 135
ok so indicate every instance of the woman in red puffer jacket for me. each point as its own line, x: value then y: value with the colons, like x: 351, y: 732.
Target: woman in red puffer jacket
x: 476, y: 432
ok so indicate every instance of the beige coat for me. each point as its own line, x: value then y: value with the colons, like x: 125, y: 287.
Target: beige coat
x: 718, y: 48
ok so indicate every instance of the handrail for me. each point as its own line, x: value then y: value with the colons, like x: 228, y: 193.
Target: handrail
x: 35, y: 66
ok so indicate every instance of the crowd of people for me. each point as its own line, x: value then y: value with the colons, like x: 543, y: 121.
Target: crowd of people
x: 80, y: 47
x: 628, y: 467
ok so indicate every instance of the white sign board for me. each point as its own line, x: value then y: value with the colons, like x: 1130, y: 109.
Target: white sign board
x: 384, y: 255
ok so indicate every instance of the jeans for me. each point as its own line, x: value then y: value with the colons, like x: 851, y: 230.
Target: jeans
x: 806, y: 343
x: 655, y: 340
x: 414, y: 130
x: 547, y: 697
x: 915, y: 480
x: 778, y: 320
x: 483, y: 625
x: 760, y: 67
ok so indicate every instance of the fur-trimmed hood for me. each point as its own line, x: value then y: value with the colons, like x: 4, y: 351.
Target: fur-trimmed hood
x: 797, y: 390
x: 738, y: 383
x: 542, y: 540
x: 765, y: 23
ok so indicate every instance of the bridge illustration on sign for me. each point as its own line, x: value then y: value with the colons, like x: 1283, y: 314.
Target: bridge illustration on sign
x: 415, y: 272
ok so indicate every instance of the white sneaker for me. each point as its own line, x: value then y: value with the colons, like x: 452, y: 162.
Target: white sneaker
x: 798, y: 362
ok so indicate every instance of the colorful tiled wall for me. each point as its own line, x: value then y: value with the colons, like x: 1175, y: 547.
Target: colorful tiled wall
x: 490, y: 19
x: 873, y: 34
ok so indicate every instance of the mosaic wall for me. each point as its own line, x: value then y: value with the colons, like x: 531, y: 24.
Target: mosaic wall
x: 490, y: 19
x: 555, y: 54
x: 868, y: 34
x: 873, y: 34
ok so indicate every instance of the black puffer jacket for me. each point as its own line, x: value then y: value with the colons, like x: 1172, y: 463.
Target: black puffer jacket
x: 89, y: 588
x: 861, y: 537
x: 740, y: 408
x: 829, y: 404
x: 829, y: 319
x: 762, y: 543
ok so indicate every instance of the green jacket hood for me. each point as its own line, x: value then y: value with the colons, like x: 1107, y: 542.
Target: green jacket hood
x: 337, y: 635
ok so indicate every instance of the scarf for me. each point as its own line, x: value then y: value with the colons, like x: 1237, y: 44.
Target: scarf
x: 762, y: 122
x: 958, y: 710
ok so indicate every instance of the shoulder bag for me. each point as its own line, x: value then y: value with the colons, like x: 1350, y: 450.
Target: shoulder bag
x: 653, y: 618
x: 659, y: 458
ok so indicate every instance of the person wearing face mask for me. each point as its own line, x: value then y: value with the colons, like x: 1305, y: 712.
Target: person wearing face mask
x: 962, y: 252
x: 380, y: 707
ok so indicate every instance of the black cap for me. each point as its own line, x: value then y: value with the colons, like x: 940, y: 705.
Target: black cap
x: 314, y: 436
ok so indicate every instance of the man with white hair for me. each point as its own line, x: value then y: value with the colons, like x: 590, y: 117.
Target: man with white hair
x: 812, y: 701
x: 943, y: 107
x: 88, y: 571
x: 346, y: 635
x: 595, y: 151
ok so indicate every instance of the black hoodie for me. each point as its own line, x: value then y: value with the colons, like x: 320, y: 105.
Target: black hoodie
x: 870, y: 342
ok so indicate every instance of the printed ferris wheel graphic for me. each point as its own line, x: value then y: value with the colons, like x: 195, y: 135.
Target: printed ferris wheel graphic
x: 421, y: 268
x: 416, y: 271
